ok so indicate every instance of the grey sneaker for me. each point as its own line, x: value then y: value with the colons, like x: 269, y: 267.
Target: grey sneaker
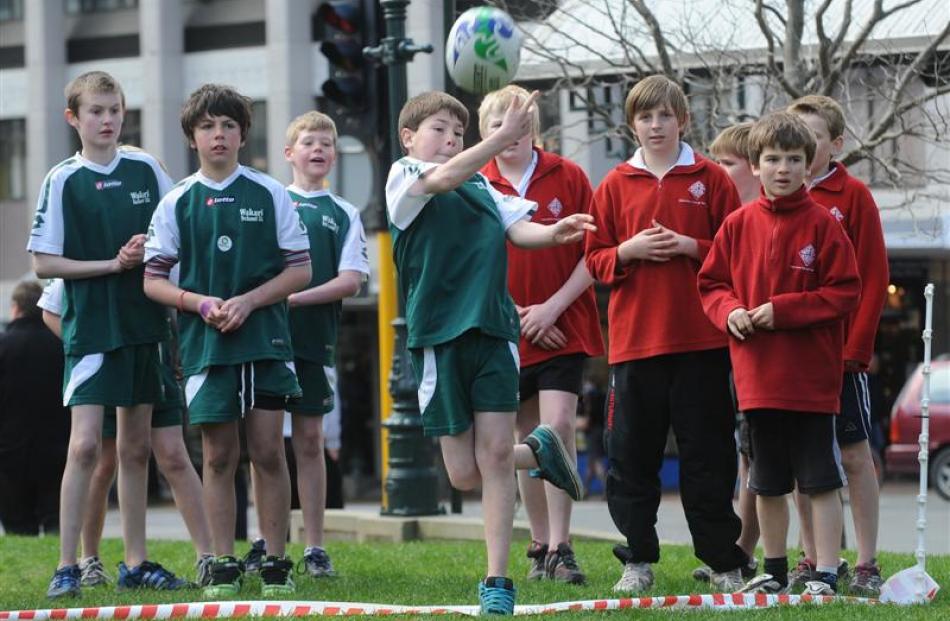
x: 316, y: 562
x: 803, y: 573
x: 766, y: 584
x: 867, y: 581
x: 727, y: 581
x: 818, y: 588
x: 562, y: 566
x: 92, y: 572
x: 555, y: 464
x: 636, y: 578
x: 255, y: 556
x: 537, y: 552
x: 203, y: 570
x: 702, y: 574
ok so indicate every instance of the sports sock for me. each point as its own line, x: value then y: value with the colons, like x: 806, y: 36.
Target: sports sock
x: 778, y: 569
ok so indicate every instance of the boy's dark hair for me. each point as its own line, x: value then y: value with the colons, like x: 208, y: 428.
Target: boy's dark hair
x: 216, y: 100
x: 734, y: 140
x: 655, y: 91
x: 424, y: 105
x: 26, y: 294
x: 826, y: 108
x: 781, y: 130
x: 91, y: 82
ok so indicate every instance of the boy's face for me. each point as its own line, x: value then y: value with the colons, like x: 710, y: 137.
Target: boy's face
x: 217, y: 139
x: 781, y: 172
x: 516, y: 151
x: 98, y: 120
x: 438, y: 138
x: 826, y: 147
x: 738, y: 169
x: 657, y: 130
x: 313, y: 153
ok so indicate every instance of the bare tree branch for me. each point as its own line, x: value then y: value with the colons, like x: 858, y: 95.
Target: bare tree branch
x: 656, y: 32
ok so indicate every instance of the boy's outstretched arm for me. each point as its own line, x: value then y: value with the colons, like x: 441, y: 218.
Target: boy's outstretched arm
x: 346, y: 284
x: 236, y: 310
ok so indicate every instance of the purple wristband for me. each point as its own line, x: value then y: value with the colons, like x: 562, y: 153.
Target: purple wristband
x: 204, y: 308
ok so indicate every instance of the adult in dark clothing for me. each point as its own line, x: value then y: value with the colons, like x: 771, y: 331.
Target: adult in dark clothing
x: 34, y: 425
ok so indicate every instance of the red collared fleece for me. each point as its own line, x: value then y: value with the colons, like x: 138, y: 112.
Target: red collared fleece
x: 560, y: 188
x: 789, y: 251
x: 654, y: 307
x: 851, y: 203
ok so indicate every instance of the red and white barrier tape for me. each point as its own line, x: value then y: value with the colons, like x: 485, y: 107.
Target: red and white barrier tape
x: 234, y: 610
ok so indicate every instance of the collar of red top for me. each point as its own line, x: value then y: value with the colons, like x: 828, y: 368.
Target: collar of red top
x: 833, y: 180
x: 687, y: 162
x: 796, y: 200
x: 546, y: 163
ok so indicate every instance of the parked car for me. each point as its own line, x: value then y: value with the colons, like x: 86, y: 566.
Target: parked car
x: 901, y: 455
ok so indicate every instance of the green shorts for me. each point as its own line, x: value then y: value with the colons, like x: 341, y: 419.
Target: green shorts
x: 317, y: 383
x: 472, y: 373
x: 224, y: 393
x: 166, y: 413
x: 121, y: 378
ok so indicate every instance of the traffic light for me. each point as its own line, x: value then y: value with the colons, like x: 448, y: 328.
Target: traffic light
x: 344, y: 28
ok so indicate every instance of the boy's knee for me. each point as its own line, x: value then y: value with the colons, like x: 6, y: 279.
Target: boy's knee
x: 172, y: 463
x: 856, y: 457
x: 308, y: 444
x: 220, y: 462
x: 84, y: 452
x: 134, y: 453
x: 464, y: 478
x: 497, y: 454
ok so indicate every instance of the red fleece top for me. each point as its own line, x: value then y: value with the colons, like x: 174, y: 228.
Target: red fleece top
x: 654, y: 307
x: 851, y: 203
x: 560, y: 188
x: 791, y: 252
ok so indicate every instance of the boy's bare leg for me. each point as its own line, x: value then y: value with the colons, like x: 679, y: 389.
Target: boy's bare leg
x: 532, y: 490
x: 98, y: 499
x: 168, y: 444
x: 750, y: 522
x: 827, y: 517
x: 494, y: 456
x: 307, y: 440
x: 559, y: 409
x: 133, y: 446
x: 863, y: 495
x: 265, y: 447
x: 806, y: 526
x: 85, y: 441
x: 221, y: 448
x: 773, y: 518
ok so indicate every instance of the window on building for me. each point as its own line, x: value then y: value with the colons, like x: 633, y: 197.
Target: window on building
x: 74, y: 7
x: 11, y: 10
x: 12, y: 159
x: 131, y: 131
x: 254, y: 152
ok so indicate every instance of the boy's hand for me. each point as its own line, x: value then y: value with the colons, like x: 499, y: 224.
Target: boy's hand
x: 684, y: 245
x: 210, y: 310
x: 234, y: 312
x: 571, y: 229
x: 551, y: 339
x: 518, y: 120
x: 132, y: 254
x: 652, y: 244
x: 536, y: 320
x: 740, y: 324
x: 763, y: 316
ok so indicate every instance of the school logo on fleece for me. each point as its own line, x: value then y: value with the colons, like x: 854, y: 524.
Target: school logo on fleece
x: 697, y: 190
x: 555, y: 207
x: 807, y: 255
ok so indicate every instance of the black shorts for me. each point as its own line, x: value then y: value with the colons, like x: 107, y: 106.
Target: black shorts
x: 854, y: 422
x: 744, y: 435
x: 790, y: 448
x: 564, y: 373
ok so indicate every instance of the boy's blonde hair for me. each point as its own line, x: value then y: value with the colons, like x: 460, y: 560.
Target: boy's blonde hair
x: 496, y: 102
x: 424, y: 105
x: 91, y: 82
x: 653, y: 92
x: 734, y: 140
x: 781, y: 130
x: 825, y: 107
x: 312, y: 121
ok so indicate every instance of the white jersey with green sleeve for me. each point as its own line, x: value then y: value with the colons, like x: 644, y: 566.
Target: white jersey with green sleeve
x: 451, y: 256
x: 337, y: 243
x: 228, y: 238
x: 87, y: 212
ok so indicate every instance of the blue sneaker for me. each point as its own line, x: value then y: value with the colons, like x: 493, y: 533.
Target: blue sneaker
x: 554, y: 462
x: 149, y: 575
x: 497, y: 597
x: 64, y: 582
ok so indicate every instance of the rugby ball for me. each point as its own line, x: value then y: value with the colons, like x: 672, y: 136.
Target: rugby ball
x: 483, y: 50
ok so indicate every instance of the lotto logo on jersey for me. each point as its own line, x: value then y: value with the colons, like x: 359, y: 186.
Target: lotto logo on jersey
x: 330, y: 223
x: 105, y: 184
x: 214, y: 200
x: 140, y: 198
x: 252, y: 215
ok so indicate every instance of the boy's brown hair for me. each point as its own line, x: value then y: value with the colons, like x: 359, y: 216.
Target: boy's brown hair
x: 312, y: 121
x: 653, y: 92
x: 496, y: 102
x: 424, y: 105
x: 734, y: 140
x: 825, y: 107
x: 91, y: 82
x: 781, y: 130
x: 26, y: 294
x: 215, y: 100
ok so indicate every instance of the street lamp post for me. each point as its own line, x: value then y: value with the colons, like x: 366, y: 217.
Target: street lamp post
x: 412, y: 482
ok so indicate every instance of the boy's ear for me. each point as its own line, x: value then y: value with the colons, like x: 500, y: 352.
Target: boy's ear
x: 288, y: 152
x: 405, y: 137
x: 837, y: 145
x: 71, y: 118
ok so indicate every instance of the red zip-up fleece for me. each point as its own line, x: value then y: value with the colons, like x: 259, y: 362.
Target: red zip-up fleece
x: 560, y: 188
x: 654, y: 307
x: 789, y: 251
x: 851, y: 203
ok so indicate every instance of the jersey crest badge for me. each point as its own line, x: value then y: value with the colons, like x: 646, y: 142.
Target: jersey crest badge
x: 807, y: 255
x: 697, y: 190
x: 837, y: 214
x: 555, y: 207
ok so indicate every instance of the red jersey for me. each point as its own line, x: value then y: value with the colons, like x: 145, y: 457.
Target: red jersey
x: 792, y: 253
x: 560, y: 188
x: 851, y: 203
x: 654, y: 307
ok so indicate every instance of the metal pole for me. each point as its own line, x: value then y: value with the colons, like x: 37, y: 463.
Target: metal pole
x: 412, y: 483
x: 924, y: 440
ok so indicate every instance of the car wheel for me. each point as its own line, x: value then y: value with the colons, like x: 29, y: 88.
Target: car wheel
x: 940, y: 472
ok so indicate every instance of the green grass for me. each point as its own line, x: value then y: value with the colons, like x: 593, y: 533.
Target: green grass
x: 429, y: 573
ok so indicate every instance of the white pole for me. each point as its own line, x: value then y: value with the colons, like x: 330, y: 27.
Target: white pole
x: 924, y: 440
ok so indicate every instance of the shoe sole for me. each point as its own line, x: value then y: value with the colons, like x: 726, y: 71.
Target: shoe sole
x: 221, y: 591
x: 578, y: 487
x: 277, y: 590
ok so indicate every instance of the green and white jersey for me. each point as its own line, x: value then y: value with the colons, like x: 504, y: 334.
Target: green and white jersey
x: 337, y: 242
x: 450, y: 252
x: 228, y: 238
x: 87, y: 212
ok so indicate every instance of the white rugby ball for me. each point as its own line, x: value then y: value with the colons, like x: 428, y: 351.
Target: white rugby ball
x: 483, y: 50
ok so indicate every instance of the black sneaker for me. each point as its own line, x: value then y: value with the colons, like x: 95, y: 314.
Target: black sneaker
x: 537, y: 552
x: 276, y: 578
x: 255, y: 556
x: 227, y: 573
x: 148, y: 575
x: 561, y: 565
x: 316, y: 562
